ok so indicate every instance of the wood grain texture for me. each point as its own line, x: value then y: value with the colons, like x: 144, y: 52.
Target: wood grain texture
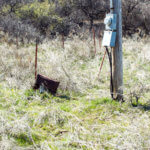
x: 117, y: 58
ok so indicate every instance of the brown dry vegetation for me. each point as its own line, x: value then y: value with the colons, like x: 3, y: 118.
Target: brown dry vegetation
x: 84, y: 116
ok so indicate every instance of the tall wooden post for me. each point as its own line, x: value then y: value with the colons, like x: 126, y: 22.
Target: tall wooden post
x: 117, y: 60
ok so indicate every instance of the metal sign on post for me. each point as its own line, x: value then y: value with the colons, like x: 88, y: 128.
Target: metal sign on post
x: 109, y: 38
x: 113, y: 38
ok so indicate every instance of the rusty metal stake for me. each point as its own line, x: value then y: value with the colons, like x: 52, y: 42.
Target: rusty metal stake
x: 94, y: 40
x: 63, y: 44
x: 36, y: 51
x: 100, y: 39
x: 101, y: 64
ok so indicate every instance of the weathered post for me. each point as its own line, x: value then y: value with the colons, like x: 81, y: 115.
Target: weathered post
x: 117, y: 60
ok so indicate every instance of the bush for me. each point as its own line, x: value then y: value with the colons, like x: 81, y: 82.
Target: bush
x: 63, y: 16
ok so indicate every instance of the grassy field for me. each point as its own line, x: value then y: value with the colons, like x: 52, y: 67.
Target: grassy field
x: 83, y: 116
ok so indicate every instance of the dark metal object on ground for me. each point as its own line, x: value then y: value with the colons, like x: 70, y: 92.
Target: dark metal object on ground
x: 49, y: 85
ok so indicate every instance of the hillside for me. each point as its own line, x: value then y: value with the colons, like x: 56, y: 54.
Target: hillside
x: 29, y: 19
x: 82, y: 114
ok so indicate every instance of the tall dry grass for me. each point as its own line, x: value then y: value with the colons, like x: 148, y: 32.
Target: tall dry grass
x: 76, y: 66
x: 110, y: 126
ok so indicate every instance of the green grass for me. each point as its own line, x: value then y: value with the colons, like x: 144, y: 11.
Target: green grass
x: 58, y: 113
x: 25, y: 103
x: 82, y: 115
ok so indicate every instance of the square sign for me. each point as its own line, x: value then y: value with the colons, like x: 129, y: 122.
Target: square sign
x: 109, y: 39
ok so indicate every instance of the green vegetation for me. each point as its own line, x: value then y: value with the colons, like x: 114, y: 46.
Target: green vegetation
x: 82, y: 115
x: 49, y: 117
x: 36, y: 119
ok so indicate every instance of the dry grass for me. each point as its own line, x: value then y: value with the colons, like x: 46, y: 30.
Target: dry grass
x: 75, y: 66
x: 82, y: 118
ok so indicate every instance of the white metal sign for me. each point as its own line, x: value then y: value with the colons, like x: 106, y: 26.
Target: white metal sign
x: 109, y: 39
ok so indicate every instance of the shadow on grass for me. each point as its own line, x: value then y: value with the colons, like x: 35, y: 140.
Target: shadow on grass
x: 145, y: 107
x: 63, y: 97
x: 45, y: 95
